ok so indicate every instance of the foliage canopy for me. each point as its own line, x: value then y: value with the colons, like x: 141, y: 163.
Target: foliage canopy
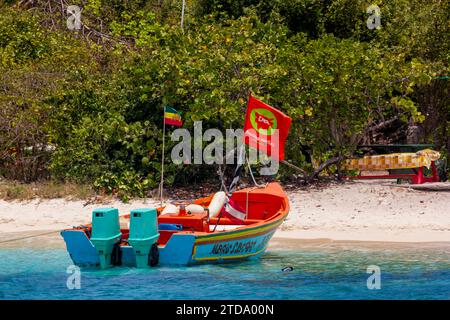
x: 95, y: 97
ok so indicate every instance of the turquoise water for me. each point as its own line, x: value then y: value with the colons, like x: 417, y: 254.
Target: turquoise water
x: 322, y: 273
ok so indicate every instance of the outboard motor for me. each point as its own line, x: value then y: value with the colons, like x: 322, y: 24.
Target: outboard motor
x: 144, y: 236
x: 105, y: 233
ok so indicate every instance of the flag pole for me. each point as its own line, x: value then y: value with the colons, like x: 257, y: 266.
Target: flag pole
x: 161, y: 185
x: 182, y: 15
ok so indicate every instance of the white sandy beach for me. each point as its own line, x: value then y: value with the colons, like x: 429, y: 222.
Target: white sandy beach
x: 369, y: 211
x: 361, y: 211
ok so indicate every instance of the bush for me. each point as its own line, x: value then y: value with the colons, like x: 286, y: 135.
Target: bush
x: 96, y: 97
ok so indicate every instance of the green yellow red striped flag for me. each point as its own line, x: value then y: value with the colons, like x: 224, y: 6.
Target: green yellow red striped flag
x: 172, y: 117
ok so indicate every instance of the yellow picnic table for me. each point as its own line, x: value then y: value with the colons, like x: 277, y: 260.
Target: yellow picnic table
x: 407, y: 160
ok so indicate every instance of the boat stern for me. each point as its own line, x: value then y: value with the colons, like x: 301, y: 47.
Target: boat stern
x: 80, y: 248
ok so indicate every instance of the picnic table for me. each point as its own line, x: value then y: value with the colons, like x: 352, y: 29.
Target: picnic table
x: 415, y: 162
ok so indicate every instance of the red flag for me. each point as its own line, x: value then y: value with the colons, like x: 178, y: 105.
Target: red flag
x: 261, y: 122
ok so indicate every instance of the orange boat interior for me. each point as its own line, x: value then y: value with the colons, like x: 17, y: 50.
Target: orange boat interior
x: 260, y: 204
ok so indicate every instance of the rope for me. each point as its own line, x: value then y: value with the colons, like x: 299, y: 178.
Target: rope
x: 218, y: 220
x: 256, y: 187
x: 222, y: 179
x: 217, y: 223
x: 32, y: 236
x: 238, y: 170
x: 253, y: 178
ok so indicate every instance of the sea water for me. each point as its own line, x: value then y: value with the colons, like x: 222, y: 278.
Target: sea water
x: 318, y: 272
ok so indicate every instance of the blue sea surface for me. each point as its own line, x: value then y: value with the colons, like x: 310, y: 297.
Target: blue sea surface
x: 410, y: 273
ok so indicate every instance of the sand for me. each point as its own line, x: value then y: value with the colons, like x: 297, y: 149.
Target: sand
x: 370, y: 210
x: 360, y: 211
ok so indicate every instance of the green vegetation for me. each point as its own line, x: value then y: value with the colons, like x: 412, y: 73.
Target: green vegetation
x: 86, y: 105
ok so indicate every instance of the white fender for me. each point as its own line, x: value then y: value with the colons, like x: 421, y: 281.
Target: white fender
x: 195, y: 208
x: 217, y: 202
x: 170, y: 209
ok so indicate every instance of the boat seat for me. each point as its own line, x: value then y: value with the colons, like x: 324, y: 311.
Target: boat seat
x: 224, y: 227
x: 228, y: 221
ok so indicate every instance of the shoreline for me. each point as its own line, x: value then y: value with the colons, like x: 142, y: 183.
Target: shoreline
x: 48, y: 239
x: 364, y: 211
x: 372, y: 236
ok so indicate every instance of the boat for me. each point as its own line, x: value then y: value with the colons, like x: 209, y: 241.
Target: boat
x: 176, y: 235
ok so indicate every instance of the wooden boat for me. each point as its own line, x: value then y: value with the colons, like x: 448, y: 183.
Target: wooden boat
x: 195, y: 238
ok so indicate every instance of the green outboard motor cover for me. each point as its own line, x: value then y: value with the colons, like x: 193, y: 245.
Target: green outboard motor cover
x: 143, y: 234
x: 105, y: 233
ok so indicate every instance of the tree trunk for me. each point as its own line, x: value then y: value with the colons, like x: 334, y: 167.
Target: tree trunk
x: 323, y: 166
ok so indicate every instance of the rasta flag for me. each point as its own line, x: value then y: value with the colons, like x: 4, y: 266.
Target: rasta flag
x: 172, y: 117
x: 266, y: 128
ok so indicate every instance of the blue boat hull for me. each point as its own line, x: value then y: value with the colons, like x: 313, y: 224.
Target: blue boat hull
x: 181, y: 249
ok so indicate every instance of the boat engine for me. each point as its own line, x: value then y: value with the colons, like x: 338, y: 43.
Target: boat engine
x: 106, y: 233
x: 144, y: 236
